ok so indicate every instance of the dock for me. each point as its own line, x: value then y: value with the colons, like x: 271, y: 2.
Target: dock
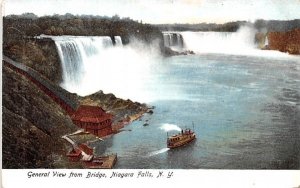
x: 102, y: 162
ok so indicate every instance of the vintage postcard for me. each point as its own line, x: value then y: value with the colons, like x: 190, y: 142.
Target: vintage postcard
x: 150, y: 89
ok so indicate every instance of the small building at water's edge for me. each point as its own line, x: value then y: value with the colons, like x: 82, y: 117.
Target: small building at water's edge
x: 93, y: 119
x: 74, y: 155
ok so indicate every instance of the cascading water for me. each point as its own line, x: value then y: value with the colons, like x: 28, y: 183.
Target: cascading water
x: 238, y: 42
x: 91, y: 64
x: 173, y: 40
x: 71, y: 60
x: 74, y: 52
x: 266, y: 41
x: 118, y: 41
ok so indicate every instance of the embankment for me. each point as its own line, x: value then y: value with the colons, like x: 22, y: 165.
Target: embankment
x: 121, y: 109
x: 32, y: 125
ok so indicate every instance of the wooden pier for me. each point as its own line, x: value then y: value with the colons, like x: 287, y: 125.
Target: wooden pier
x: 103, y: 162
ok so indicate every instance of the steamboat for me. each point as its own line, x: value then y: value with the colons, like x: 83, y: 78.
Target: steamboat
x: 186, y: 136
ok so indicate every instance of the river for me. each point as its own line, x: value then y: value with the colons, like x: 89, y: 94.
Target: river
x: 244, y: 102
x: 246, y: 111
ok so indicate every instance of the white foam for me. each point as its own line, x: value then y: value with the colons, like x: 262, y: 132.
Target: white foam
x: 159, y: 152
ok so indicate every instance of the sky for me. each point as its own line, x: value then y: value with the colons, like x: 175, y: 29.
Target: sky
x: 163, y: 11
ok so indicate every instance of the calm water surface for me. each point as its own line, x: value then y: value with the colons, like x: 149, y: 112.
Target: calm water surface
x: 246, y: 112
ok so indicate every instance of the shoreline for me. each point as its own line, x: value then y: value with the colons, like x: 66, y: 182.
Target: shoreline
x: 81, y: 137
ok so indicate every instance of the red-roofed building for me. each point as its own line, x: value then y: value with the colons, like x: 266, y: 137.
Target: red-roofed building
x: 86, y: 149
x: 93, y: 119
x: 74, y: 155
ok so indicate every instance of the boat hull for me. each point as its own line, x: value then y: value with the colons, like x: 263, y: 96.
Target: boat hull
x: 181, y: 144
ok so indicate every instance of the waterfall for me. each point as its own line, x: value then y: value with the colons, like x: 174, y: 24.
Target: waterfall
x: 173, y: 40
x: 266, y: 41
x: 240, y: 42
x: 66, y: 51
x: 91, y: 63
x: 74, y: 52
x: 118, y: 41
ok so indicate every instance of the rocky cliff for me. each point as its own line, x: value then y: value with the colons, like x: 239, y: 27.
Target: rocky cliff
x: 32, y: 125
x: 41, y: 55
x: 121, y: 109
x: 285, y: 41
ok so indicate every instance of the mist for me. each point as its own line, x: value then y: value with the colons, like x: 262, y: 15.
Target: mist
x: 241, y: 42
x: 91, y: 64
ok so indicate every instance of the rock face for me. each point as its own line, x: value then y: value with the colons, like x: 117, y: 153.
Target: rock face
x: 40, y: 55
x: 32, y: 125
x: 260, y: 40
x: 120, y: 108
x: 169, y: 52
x: 285, y: 41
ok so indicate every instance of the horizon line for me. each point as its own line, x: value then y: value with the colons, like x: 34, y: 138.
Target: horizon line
x: 140, y: 20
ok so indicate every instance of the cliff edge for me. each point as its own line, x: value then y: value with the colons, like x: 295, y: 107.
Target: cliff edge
x: 285, y: 41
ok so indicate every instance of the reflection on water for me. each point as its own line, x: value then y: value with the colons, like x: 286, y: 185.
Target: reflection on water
x: 246, y: 112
